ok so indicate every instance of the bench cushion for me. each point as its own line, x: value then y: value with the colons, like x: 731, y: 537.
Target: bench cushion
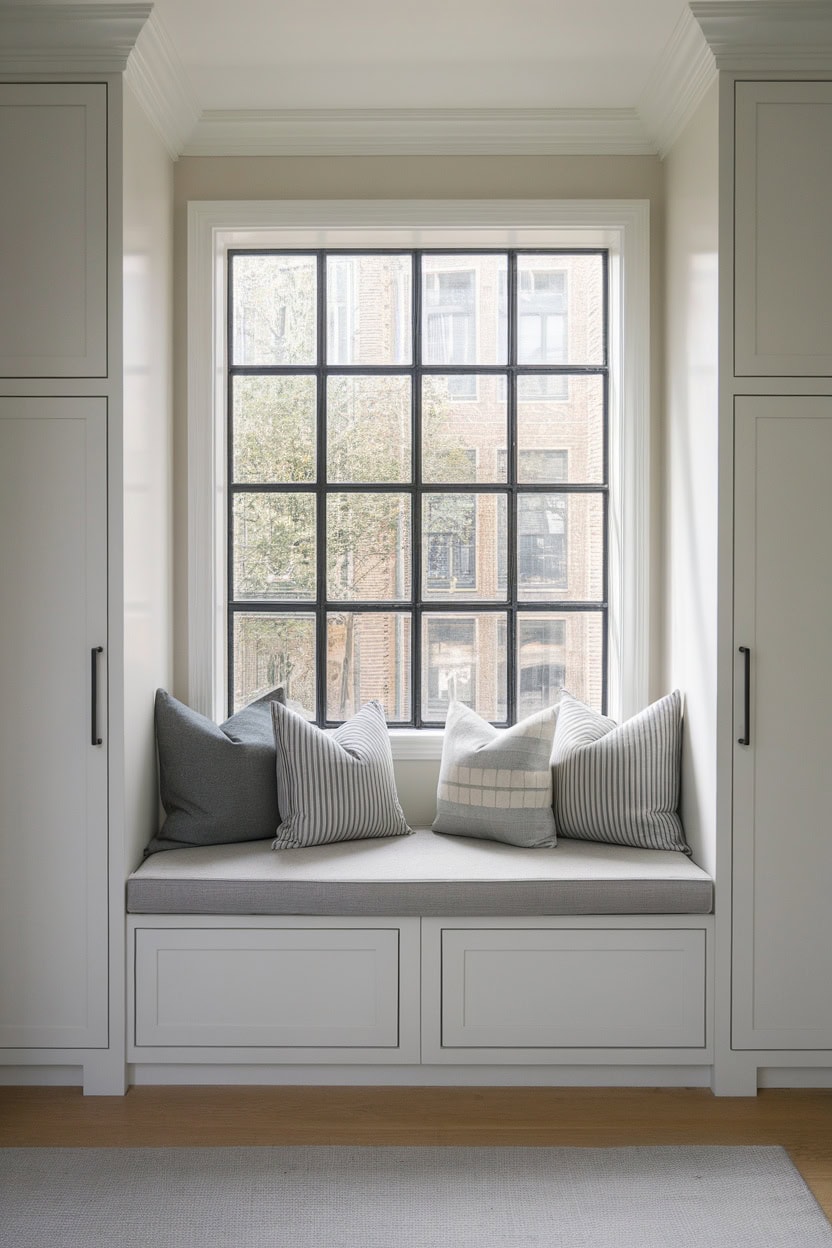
x: 424, y: 874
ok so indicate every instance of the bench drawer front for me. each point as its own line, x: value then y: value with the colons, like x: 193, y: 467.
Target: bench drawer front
x: 571, y: 988
x: 278, y: 987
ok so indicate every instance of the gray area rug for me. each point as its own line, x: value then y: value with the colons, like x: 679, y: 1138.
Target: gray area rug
x: 337, y: 1197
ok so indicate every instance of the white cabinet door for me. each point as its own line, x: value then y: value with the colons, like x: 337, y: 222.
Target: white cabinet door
x: 783, y: 261
x: 584, y: 988
x: 277, y: 987
x: 782, y: 849
x: 53, y: 229
x: 53, y: 780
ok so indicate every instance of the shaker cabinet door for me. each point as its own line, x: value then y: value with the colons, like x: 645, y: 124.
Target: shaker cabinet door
x: 782, y: 816
x: 53, y: 695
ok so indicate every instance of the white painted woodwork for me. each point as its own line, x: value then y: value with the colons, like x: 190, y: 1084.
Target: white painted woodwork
x: 782, y: 816
x: 281, y: 987
x: 53, y: 782
x: 548, y: 989
x: 782, y: 253
x: 53, y: 230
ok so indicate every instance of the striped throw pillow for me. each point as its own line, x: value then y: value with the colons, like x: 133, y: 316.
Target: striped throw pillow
x: 496, y: 783
x: 619, y: 783
x: 334, y: 786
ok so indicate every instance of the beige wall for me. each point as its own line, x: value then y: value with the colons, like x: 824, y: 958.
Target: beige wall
x: 498, y: 177
x: 690, y: 461
x: 148, y: 459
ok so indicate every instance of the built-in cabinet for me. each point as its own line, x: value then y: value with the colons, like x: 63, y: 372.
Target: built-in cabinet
x: 60, y: 387
x: 776, y: 420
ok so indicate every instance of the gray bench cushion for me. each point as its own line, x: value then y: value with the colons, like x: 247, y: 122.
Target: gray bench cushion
x: 423, y: 874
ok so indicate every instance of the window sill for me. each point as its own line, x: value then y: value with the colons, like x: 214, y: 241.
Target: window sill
x: 416, y: 743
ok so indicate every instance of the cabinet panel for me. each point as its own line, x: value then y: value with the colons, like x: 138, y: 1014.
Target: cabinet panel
x: 53, y: 781
x: 783, y: 258
x: 282, y: 987
x: 53, y: 230
x: 543, y: 988
x: 782, y: 848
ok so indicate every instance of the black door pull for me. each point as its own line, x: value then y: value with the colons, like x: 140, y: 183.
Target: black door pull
x: 94, y: 737
x: 745, y: 739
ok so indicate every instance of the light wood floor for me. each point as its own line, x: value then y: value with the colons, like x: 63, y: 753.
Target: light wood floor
x: 585, y: 1117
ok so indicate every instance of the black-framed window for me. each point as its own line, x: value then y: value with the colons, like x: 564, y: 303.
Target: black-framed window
x: 382, y: 541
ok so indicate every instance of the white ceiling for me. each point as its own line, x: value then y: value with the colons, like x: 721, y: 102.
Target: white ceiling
x: 434, y: 54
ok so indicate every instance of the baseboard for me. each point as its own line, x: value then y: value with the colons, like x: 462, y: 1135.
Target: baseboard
x: 794, y: 1077
x: 426, y: 1076
x: 41, y: 1076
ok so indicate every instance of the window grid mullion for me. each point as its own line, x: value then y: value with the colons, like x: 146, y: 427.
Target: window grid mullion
x: 416, y: 528
x: 321, y: 500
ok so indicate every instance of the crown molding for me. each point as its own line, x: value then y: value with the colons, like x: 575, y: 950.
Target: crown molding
x: 678, y: 85
x: 420, y: 132
x: 69, y: 38
x: 768, y: 35
x: 160, y: 84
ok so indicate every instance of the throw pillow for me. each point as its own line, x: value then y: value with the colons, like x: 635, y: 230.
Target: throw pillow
x: 335, y: 786
x: 496, y: 784
x: 216, y: 782
x: 619, y: 783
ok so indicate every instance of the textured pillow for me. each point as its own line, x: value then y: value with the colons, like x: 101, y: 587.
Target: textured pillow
x: 496, y: 784
x: 335, y: 786
x: 217, y: 783
x: 619, y: 783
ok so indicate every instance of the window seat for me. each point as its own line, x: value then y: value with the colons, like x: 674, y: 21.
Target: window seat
x: 425, y: 874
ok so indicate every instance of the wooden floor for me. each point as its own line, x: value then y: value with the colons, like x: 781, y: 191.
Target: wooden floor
x: 584, y: 1117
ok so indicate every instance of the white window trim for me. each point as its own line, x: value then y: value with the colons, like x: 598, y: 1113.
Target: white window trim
x: 620, y: 225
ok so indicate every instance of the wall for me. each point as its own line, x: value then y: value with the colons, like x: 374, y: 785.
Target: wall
x: 689, y: 556
x: 148, y: 459
x: 583, y: 177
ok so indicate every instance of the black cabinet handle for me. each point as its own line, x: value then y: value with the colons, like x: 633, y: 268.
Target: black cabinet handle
x: 94, y: 737
x: 746, y: 738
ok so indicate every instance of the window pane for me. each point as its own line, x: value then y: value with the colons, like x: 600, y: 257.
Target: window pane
x: 559, y: 651
x: 369, y: 309
x: 368, y: 429
x: 462, y: 299
x: 368, y: 547
x: 560, y: 309
x: 368, y: 656
x: 560, y: 546
x: 272, y: 650
x: 574, y: 424
x: 275, y: 309
x: 462, y: 437
x: 274, y: 546
x: 273, y: 423
x: 463, y: 656
x: 462, y: 535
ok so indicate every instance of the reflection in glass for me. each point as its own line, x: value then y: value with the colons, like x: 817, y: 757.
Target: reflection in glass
x: 274, y: 546
x: 368, y: 429
x: 275, y: 302
x: 273, y: 428
x: 368, y: 547
x: 368, y: 656
x: 461, y: 441
x: 368, y: 309
x: 272, y: 650
x: 461, y: 660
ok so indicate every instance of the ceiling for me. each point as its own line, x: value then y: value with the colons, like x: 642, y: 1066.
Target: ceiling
x: 435, y: 54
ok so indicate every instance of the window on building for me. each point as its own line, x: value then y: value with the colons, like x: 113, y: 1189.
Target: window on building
x: 451, y: 324
x: 382, y: 542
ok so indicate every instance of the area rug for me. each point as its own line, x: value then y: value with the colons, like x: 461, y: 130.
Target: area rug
x: 338, y: 1197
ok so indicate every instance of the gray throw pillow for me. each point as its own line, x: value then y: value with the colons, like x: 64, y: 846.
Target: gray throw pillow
x: 335, y: 786
x: 619, y: 783
x: 496, y: 784
x: 217, y: 782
